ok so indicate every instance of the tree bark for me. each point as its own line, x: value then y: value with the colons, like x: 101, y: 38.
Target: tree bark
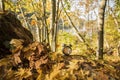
x: 44, y: 16
x: 23, y: 15
x: 2, y: 6
x: 101, y: 14
x: 53, y: 2
x: 56, y: 23
x: 37, y: 28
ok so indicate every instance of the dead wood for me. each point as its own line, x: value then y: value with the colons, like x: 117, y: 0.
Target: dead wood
x: 11, y: 28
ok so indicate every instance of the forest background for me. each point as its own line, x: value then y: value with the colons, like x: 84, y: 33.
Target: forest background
x: 75, y: 22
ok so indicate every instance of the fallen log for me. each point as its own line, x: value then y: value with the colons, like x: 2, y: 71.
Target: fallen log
x: 11, y: 28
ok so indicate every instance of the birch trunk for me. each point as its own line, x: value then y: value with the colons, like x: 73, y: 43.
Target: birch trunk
x: 101, y: 14
x: 2, y: 6
x: 23, y: 15
x: 53, y: 16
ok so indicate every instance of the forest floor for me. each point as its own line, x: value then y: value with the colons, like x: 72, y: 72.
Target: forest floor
x: 73, y: 67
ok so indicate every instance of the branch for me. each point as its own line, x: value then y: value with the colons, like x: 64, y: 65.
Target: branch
x: 78, y: 34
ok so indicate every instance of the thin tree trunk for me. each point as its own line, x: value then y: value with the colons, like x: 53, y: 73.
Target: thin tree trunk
x: 53, y: 2
x: 45, y: 22
x: 101, y: 29
x: 23, y: 15
x: 44, y: 16
x: 56, y: 24
x: 117, y: 25
x: 37, y: 37
x: 2, y: 6
x: 106, y: 43
x: 37, y: 27
x: 115, y: 18
x: 40, y: 31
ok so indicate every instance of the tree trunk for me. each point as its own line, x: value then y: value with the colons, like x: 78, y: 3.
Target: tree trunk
x: 44, y: 22
x: 101, y: 29
x: 115, y: 18
x: 2, y: 6
x: 53, y: 24
x: 37, y: 37
x: 23, y: 15
x: 37, y: 27
x: 56, y: 23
